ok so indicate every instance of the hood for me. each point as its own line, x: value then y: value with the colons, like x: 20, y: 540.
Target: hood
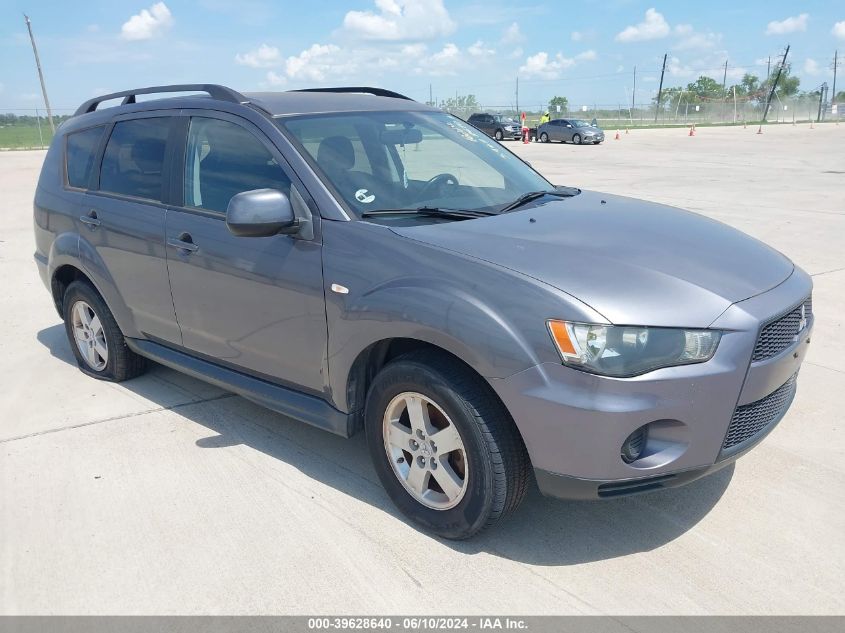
x: 635, y: 262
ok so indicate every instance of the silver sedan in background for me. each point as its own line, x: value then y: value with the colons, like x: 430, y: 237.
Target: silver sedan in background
x: 575, y: 131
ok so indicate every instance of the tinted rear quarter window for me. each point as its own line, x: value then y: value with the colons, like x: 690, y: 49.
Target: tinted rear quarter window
x: 133, y: 162
x: 80, y: 153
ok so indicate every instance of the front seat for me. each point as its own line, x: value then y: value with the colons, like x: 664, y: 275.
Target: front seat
x: 336, y: 157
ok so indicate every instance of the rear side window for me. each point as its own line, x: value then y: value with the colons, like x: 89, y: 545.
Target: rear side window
x: 224, y: 159
x: 80, y: 153
x: 134, y: 158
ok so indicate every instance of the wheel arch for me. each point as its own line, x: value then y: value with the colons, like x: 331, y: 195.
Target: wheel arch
x: 61, y: 278
x: 375, y: 356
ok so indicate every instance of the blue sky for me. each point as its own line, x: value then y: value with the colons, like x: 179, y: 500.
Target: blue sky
x: 585, y: 50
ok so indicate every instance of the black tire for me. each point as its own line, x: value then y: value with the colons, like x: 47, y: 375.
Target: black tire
x: 544, y: 138
x: 498, y: 467
x: 499, y: 135
x: 576, y: 138
x: 122, y: 363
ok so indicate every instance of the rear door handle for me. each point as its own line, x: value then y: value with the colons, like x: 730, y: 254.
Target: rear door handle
x: 90, y: 220
x: 184, y: 242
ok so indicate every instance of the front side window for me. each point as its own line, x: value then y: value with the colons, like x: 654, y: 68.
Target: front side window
x: 440, y: 161
x: 133, y: 162
x: 80, y: 153
x: 224, y: 159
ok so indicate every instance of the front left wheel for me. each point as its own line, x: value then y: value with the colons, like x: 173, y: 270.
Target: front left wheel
x: 499, y: 135
x: 443, y: 445
x: 95, y: 338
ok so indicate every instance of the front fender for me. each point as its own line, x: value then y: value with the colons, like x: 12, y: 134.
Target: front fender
x: 491, y: 318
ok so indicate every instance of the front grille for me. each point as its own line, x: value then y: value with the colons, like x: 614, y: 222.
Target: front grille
x: 782, y: 332
x: 750, y: 419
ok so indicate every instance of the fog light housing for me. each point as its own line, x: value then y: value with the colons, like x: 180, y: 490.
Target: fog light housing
x: 634, y: 445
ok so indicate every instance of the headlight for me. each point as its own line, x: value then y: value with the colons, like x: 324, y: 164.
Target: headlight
x: 624, y: 351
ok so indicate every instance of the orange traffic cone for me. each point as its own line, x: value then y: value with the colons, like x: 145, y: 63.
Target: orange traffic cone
x: 812, y: 127
x: 617, y: 135
x: 692, y: 130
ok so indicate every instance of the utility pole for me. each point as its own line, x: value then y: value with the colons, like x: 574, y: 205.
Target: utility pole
x: 40, y: 74
x: 768, y: 67
x: 775, y: 83
x: 724, y: 93
x: 660, y: 89
x: 822, y: 91
x: 430, y: 97
x: 835, y: 66
x: 634, y: 93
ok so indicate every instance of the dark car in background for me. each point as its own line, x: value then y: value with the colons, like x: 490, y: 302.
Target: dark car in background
x: 497, y: 126
x: 575, y: 131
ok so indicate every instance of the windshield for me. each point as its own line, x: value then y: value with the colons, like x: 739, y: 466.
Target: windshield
x: 580, y: 123
x: 407, y: 160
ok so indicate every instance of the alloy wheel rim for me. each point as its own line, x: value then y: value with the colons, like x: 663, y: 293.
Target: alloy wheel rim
x: 90, y: 336
x: 425, y: 451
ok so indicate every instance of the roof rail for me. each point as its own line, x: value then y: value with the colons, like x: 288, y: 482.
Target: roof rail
x: 222, y: 93
x: 379, y: 92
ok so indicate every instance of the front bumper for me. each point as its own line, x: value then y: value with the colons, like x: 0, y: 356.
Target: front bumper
x: 574, y: 423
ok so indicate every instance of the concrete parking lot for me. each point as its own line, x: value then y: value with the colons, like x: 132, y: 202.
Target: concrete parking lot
x: 165, y: 495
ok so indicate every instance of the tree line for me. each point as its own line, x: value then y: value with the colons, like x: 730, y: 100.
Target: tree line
x: 28, y: 119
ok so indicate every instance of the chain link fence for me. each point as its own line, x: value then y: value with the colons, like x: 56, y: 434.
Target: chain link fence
x: 29, y: 128
x: 677, y: 111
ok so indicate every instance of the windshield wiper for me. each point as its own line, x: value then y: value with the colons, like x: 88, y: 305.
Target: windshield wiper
x: 438, y: 212
x: 561, y: 192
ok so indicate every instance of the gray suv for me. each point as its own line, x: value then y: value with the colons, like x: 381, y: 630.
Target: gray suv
x: 362, y: 262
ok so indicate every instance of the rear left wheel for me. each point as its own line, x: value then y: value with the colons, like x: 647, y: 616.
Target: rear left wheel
x: 95, y: 338
x: 443, y: 446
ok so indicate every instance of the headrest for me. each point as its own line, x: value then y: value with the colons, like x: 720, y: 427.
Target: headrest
x: 336, y: 152
x: 148, y: 154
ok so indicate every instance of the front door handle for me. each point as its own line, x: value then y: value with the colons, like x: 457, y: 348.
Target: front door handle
x: 184, y: 243
x: 90, y: 220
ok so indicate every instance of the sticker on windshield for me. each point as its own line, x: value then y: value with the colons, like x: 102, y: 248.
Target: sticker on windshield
x: 364, y: 196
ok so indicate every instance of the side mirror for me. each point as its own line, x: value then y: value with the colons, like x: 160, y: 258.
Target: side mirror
x: 568, y: 125
x: 261, y: 213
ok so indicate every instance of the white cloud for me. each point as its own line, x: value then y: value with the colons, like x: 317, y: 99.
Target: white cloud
x: 516, y: 53
x: 318, y: 63
x: 274, y: 79
x: 480, y: 50
x: 544, y: 67
x: 811, y: 66
x: 262, y: 57
x: 690, y: 39
x: 838, y: 30
x: 400, y: 20
x: 653, y: 27
x: 789, y: 25
x: 148, y: 24
x: 513, y: 35
x: 576, y: 36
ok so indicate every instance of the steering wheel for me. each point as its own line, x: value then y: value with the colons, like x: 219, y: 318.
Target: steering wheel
x: 437, y: 183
